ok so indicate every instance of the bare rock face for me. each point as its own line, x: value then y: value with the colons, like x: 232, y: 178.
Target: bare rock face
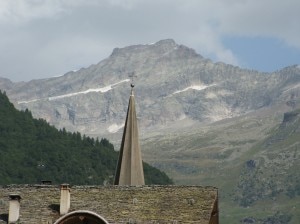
x: 173, y: 83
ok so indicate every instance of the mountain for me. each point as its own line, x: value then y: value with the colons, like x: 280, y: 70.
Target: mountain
x: 201, y: 122
x: 173, y: 83
x: 31, y: 150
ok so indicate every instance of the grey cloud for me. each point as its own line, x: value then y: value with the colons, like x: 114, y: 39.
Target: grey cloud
x: 50, y: 37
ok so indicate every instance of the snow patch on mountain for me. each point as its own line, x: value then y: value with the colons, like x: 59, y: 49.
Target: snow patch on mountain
x: 28, y: 101
x: 292, y: 87
x: 114, y: 128
x: 182, y: 117
x: 194, y: 87
x: 219, y: 112
x: 102, y: 90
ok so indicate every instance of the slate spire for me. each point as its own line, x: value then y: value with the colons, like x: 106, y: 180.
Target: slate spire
x: 130, y: 167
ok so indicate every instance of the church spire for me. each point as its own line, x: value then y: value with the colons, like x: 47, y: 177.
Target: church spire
x: 130, y: 166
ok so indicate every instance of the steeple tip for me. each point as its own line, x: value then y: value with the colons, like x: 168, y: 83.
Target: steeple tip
x: 132, y: 86
x: 132, y: 75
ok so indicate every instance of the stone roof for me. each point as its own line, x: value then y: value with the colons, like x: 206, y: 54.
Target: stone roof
x: 116, y: 204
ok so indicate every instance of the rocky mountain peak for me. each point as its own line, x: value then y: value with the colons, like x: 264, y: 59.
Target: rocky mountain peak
x: 5, y: 83
x: 167, y: 43
x: 158, y: 49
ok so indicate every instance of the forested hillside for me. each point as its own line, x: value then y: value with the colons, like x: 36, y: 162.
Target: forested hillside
x: 31, y: 150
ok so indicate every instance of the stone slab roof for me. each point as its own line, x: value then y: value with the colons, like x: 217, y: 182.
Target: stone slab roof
x: 117, y: 204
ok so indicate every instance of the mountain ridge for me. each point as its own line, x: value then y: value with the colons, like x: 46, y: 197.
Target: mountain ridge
x: 173, y: 83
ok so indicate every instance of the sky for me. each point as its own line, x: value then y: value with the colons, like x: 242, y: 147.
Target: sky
x: 46, y: 38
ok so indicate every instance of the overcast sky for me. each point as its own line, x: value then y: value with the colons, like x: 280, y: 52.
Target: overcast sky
x: 46, y: 38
